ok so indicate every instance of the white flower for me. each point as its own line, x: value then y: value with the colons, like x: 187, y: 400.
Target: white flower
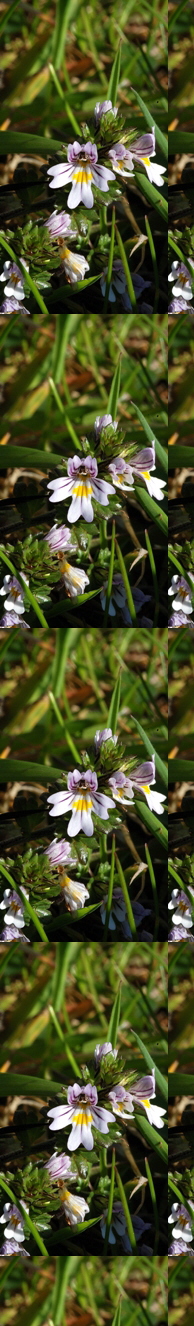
x: 14, y: 913
x: 125, y: 159
x: 74, y: 894
x: 179, y: 905
x: 75, y: 1207
x: 81, y: 1112
x: 141, y: 778
x: 60, y: 853
x: 82, y: 169
x: 181, y: 278
x: 82, y: 484
x: 59, y: 224
x: 75, y: 580
x: 74, y: 264
x: 142, y: 465
x: 14, y: 1225
x: 181, y: 1222
x: 14, y: 280
x: 123, y: 1102
x: 59, y: 1167
x: 14, y: 594
x: 181, y: 594
x: 81, y: 798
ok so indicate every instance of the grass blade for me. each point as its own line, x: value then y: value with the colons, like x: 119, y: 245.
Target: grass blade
x: 151, y: 822
x: 124, y: 1201
x: 114, y: 78
x: 153, y: 196
x: 150, y: 1135
x: 114, y: 392
x: 114, y: 1020
x: 160, y: 1079
x: 129, y: 282
x: 127, y: 585
x: 160, y: 453
x: 152, y: 508
x: 160, y: 137
x: 114, y: 706
x: 160, y: 766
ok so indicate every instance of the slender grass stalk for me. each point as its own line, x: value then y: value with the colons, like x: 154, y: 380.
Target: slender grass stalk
x: 127, y: 585
x: 110, y: 575
x: 129, y: 282
x: 56, y: 396
x: 110, y: 262
x: 154, y: 575
x: 154, y: 890
x: 127, y: 901
x: 154, y: 260
x: 65, y: 1270
x: 110, y: 1204
x: 59, y: 89
x: 154, y: 1203
x: 57, y: 1026
x: 110, y: 889
x: 124, y: 1201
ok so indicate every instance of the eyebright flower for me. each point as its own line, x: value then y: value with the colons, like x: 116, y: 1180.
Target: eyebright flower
x: 140, y: 465
x: 142, y: 778
x: 14, y: 1225
x: 102, y: 1050
x: 118, y: 1228
x: 178, y: 1246
x: 81, y: 798
x: 181, y: 278
x: 11, y: 619
x: 180, y: 619
x: 82, y: 170
x: 118, y: 283
x: 59, y: 539
x: 60, y: 853
x: 82, y: 484
x: 141, y: 1093
x: 12, y: 905
x: 180, y: 306
x: 12, y: 306
x: 179, y: 932
x: 102, y: 108
x: 11, y: 933
x: 11, y: 1250
x: 14, y: 600
x: 81, y: 1112
x: 182, y: 1223
x: 14, y: 280
x: 75, y: 1207
x: 179, y: 905
x: 124, y: 160
x: 59, y: 1167
x: 180, y: 592
x: 74, y: 264
x: 75, y: 894
x: 75, y: 580
x: 105, y: 735
x: 59, y: 225
x: 102, y: 422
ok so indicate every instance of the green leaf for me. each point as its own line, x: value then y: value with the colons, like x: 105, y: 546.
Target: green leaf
x: 8, y: 14
x: 25, y: 770
x: 109, y: 898
x: 129, y: 910
x: 110, y: 262
x: 114, y: 706
x: 64, y: 19
x: 129, y: 282
x: 160, y: 453
x: 19, y: 456
x: 160, y: 137
x: 22, y: 1084
x: 117, y: 1317
x: 152, y: 194
x: 114, y: 78
x: 110, y: 1204
x: 114, y: 1020
x: 181, y: 1084
x: 150, y: 1135
x: 110, y: 575
x: 127, y: 1214
x: 160, y: 1079
x: 33, y: 143
x: 160, y: 766
x: 151, y: 822
x: 152, y: 508
x: 180, y: 142
x: 128, y: 590
x: 114, y: 392
x: 181, y: 770
x: 180, y: 455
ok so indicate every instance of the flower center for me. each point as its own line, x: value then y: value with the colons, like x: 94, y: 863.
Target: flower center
x: 82, y: 173
x: 82, y: 1115
x: 83, y: 802
x: 145, y: 474
x: 145, y: 788
x: 146, y: 161
x: 82, y: 487
x: 147, y: 1103
x: 15, y: 1221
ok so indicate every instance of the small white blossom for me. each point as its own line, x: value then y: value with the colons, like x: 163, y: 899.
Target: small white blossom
x: 82, y: 169
x: 81, y: 1112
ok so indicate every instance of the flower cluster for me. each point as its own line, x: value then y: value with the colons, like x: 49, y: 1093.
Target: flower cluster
x: 85, y: 172
x: 182, y: 1235
x: 82, y: 1112
x: 181, y: 595
x: 84, y: 799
